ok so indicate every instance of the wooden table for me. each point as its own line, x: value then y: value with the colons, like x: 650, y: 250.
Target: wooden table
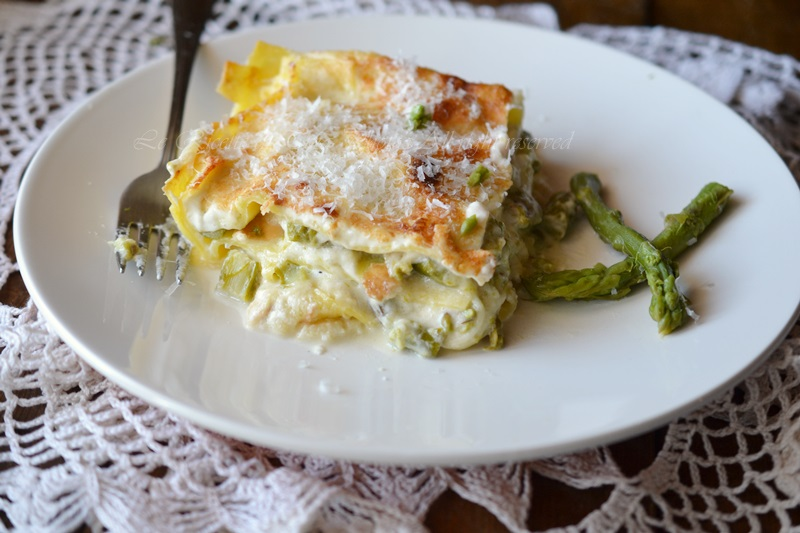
x: 769, y: 24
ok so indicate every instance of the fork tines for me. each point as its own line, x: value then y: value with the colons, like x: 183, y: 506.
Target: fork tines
x: 129, y: 247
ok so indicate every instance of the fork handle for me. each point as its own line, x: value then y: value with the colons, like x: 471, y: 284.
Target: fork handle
x: 188, y: 20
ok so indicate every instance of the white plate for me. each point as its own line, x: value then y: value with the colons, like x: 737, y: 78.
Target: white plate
x: 572, y: 374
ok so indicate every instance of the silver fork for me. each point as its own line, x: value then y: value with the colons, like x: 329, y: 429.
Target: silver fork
x: 143, y: 208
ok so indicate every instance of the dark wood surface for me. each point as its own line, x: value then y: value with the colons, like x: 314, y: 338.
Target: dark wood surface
x: 769, y: 24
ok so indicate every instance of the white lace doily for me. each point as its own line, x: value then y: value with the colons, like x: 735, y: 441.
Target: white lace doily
x: 75, y: 449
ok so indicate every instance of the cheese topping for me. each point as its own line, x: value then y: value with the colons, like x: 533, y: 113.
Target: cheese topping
x: 339, y: 189
x: 358, y: 159
x: 330, y: 143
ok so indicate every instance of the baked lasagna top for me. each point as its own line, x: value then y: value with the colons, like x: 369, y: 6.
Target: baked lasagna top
x: 376, y: 154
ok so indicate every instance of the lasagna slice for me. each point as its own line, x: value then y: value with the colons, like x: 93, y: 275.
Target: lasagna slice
x: 349, y: 191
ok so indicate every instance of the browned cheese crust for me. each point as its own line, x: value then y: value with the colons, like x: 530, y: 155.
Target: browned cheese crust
x: 419, y: 205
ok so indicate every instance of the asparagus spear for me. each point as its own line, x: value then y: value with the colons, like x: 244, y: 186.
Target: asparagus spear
x: 667, y: 305
x: 601, y: 282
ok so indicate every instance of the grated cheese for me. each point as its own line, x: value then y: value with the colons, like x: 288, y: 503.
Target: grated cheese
x: 335, y: 149
x: 355, y: 153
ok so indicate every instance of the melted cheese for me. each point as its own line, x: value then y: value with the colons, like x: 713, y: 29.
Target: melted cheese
x: 331, y: 146
x: 325, y: 141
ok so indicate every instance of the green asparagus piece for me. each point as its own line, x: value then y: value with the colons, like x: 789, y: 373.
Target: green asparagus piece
x: 469, y: 224
x: 667, y: 305
x: 478, y: 176
x: 437, y: 273
x: 557, y: 216
x: 418, y: 117
x: 409, y: 335
x: 238, y: 277
x: 681, y: 230
x: 299, y: 233
x: 595, y: 283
